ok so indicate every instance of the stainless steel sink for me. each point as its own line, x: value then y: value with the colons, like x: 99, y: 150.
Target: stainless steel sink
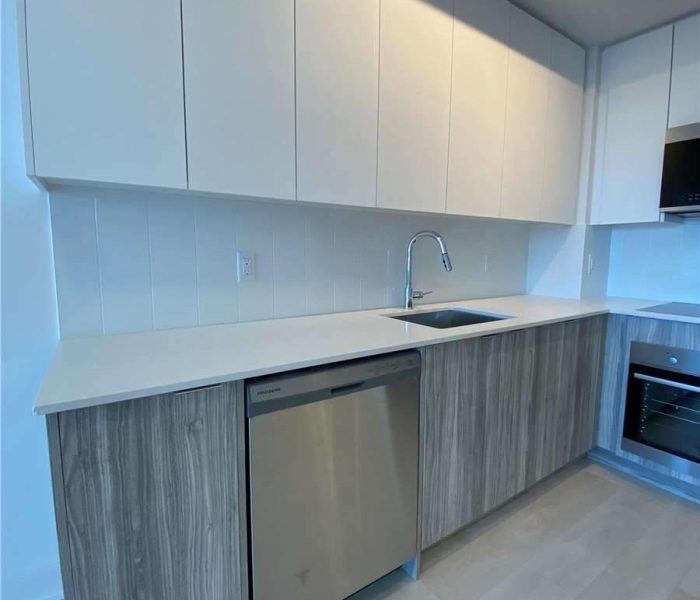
x: 444, y: 319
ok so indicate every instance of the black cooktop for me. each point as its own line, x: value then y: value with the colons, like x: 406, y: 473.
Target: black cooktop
x: 683, y: 309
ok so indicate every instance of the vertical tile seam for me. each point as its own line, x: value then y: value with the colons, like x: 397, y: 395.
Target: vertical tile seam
x: 99, y: 264
x: 195, y: 231
x: 150, y: 263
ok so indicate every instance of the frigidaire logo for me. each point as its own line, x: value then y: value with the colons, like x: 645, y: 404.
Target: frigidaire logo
x: 270, y: 391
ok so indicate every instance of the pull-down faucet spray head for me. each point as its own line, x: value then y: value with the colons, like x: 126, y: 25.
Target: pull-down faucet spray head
x: 409, y: 293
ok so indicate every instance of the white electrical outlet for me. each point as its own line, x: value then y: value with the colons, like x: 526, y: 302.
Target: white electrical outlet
x: 246, y: 266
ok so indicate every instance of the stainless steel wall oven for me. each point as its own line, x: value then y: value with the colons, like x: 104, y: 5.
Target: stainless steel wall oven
x: 662, y: 409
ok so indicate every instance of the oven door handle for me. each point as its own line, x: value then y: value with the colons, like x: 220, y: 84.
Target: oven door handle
x: 668, y: 382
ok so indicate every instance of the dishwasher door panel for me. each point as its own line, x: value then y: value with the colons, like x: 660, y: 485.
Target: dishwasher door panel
x: 333, y: 492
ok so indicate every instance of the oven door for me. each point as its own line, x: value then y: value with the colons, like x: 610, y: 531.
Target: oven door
x: 662, y: 418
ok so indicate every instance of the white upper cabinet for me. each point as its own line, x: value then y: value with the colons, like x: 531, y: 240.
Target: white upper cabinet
x: 106, y: 91
x: 563, y: 132
x: 239, y: 93
x: 685, y: 74
x: 414, y: 104
x: 477, y: 115
x: 337, y: 74
x: 526, y: 117
x: 632, y: 117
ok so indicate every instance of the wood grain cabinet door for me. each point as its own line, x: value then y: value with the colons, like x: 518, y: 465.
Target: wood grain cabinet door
x: 566, y: 390
x: 148, y: 497
x: 502, y: 412
x: 476, y: 396
x: 453, y: 418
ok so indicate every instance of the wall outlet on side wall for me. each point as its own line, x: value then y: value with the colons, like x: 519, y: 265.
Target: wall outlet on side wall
x: 246, y: 266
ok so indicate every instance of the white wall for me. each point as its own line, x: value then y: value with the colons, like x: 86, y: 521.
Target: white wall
x: 130, y: 261
x: 30, y: 569
x: 656, y: 261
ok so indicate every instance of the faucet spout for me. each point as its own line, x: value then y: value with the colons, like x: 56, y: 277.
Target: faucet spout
x: 410, y: 295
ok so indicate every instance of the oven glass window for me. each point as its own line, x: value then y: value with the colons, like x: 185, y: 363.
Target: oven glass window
x: 663, y: 411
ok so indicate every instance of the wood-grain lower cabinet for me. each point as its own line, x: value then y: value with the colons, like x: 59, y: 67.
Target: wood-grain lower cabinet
x: 149, y: 497
x: 502, y: 412
x: 568, y: 375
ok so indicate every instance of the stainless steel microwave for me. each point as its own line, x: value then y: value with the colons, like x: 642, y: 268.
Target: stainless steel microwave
x: 680, y: 184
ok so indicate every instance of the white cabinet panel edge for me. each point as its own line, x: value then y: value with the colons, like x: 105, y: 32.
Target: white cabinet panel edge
x: 115, y: 112
x: 478, y: 107
x: 633, y: 110
x: 414, y: 104
x: 563, y: 131
x: 684, y: 106
x: 337, y: 79
x: 239, y: 93
x: 526, y: 114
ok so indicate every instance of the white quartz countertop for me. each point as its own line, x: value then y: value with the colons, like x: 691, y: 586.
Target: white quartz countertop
x: 98, y: 370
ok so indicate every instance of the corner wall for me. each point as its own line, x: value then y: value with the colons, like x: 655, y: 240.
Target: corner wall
x: 30, y: 567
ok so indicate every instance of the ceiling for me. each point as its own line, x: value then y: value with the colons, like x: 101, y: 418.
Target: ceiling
x: 601, y: 22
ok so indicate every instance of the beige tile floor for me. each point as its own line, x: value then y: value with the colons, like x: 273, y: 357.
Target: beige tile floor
x: 585, y: 534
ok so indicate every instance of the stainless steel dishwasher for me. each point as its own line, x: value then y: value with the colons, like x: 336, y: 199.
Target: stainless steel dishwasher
x: 333, y: 476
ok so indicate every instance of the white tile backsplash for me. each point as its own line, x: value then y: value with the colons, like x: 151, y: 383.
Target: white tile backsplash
x: 132, y: 261
x: 171, y: 224
x: 124, y: 261
x: 658, y: 261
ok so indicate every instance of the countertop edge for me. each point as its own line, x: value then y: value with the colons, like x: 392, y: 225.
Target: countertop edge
x: 44, y: 407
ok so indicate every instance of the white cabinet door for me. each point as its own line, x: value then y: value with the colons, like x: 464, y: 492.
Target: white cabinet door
x: 477, y: 114
x: 106, y: 90
x: 685, y: 73
x: 632, y: 115
x: 337, y: 72
x: 563, y: 133
x: 414, y: 104
x: 526, y: 114
x: 239, y: 92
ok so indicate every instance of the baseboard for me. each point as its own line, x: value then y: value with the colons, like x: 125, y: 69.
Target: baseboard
x: 673, y: 486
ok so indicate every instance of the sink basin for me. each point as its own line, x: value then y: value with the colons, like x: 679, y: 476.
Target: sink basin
x: 444, y: 319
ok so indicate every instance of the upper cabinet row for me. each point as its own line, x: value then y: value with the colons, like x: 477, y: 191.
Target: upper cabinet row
x: 648, y: 83
x: 465, y: 106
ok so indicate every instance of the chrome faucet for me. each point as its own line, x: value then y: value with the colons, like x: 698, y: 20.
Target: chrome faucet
x: 412, y: 295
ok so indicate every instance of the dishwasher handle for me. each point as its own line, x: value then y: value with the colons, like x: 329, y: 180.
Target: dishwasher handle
x: 270, y: 394
x: 346, y: 389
